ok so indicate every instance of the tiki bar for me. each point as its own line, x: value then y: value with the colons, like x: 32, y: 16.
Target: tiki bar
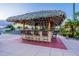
x: 42, y: 24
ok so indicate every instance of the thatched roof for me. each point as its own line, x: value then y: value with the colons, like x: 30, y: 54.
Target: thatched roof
x: 39, y: 14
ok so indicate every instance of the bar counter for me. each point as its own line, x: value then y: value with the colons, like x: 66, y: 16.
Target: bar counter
x: 37, y: 35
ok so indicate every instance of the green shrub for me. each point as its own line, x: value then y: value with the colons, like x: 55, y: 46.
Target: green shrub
x: 11, y: 27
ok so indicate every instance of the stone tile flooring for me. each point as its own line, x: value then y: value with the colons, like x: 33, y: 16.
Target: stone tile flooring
x: 10, y: 47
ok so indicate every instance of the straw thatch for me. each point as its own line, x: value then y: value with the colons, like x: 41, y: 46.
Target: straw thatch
x: 57, y: 16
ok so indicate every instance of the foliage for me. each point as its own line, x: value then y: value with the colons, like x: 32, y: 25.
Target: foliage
x: 11, y: 27
x: 46, y: 28
x: 72, y: 31
x: 77, y: 13
x: 19, y: 27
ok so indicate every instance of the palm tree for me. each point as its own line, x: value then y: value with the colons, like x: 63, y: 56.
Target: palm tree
x: 77, y: 14
x: 72, y: 25
x: 74, y: 16
x: 77, y: 24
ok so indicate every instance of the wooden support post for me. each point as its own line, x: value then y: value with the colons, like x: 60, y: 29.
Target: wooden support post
x: 24, y: 36
x: 23, y: 25
x: 49, y: 24
x: 49, y: 30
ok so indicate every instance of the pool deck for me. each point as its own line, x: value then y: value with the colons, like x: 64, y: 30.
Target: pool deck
x: 9, y: 46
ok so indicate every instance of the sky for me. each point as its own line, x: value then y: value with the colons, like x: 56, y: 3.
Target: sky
x: 12, y: 9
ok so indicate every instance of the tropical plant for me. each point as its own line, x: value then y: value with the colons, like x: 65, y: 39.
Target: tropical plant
x: 11, y: 27
x: 77, y: 22
x: 77, y: 13
x: 19, y: 27
x: 72, y: 25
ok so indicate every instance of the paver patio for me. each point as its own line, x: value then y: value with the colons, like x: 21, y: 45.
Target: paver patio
x: 9, y: 46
